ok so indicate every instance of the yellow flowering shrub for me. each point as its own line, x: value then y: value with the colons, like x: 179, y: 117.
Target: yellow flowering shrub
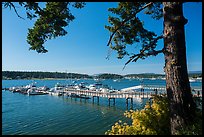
x: 152, y: 120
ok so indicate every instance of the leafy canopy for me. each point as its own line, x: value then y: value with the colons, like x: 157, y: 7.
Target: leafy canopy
x: 51, y: 22
x: 53, y: 18
x: 128, y: 29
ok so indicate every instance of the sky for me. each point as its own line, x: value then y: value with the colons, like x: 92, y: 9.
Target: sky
x: 83, y: 50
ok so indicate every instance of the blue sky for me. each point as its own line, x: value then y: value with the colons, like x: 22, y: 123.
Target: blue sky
x: 84, y: 49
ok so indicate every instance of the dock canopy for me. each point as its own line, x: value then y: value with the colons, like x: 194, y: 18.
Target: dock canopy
x: 132, y: 88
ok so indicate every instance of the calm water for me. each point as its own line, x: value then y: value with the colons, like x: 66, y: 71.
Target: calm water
x: 53, y: 115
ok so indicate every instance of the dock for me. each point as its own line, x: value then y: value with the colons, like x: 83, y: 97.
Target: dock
x: 130, y: 93
x: 119, y: 94
x: 127, y: 94
x: 111, y: 97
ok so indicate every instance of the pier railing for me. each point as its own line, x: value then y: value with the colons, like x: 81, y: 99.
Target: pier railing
x: 117, y: 94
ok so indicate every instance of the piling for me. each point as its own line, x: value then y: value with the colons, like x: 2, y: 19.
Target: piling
x: 97, y: 99
x: 110, y: 99
x: 131, y: 101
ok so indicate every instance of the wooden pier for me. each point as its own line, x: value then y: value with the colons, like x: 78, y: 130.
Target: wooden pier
x: 97, y: 94
x: 128, y: 93
x: 111, y: 97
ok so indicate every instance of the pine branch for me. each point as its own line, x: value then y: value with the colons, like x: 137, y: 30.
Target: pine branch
x: 123, y: 22
x: 11, y: 4
x: 142, y: 53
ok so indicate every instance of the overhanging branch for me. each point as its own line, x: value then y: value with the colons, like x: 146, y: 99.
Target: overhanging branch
x: 15, y: 10
x: 142, y: 53
x: 122, y: 23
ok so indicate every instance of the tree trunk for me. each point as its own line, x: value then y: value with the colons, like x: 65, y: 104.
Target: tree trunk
x: 182, y: 106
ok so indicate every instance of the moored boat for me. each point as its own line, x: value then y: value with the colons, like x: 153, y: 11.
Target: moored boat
x: 35, y: 92
x: 192, y: 80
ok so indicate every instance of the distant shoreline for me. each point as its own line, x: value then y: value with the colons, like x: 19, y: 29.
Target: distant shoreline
x: 7, y: 75
x: 74, y: 78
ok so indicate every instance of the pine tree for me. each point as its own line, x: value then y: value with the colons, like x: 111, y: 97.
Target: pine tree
x: 128, y: 29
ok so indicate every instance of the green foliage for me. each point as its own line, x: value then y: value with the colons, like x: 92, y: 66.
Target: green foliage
x: 155, y: 10
x: 54, y: 17
x: 40, y: 75
x: 196, y: 75
x: 128, y: 29
x: 51, y: 22
x: 32, y: 8
x: 110, y: 76
x: 152, y: 120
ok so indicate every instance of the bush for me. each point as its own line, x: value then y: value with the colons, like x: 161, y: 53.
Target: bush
x: 152, y: 120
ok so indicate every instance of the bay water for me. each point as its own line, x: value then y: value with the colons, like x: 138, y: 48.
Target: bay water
x: 58, y: 115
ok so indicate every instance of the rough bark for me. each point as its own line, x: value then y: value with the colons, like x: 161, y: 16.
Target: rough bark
x: 182, y: 106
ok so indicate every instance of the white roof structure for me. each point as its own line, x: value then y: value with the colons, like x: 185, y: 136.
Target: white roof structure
x: 132, y: 88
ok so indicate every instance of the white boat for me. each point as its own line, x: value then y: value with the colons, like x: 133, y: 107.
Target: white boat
x: 32, y: 85
x: 33, y: 91
x: 22, y: 89
x: 15, y: 89
x: 57, y: 88
x: 192, y: 80
x: 199, y: 78
x: 152, y: 78
x: 104, y: 90
x: 43, y: 88
x: 164, y: 78
x: 56, y: 93
x: 96, y: 79
x: 116, y: 80
x: 92, y: 87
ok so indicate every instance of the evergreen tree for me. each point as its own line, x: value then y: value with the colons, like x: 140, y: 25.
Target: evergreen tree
x: 127, y: 29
